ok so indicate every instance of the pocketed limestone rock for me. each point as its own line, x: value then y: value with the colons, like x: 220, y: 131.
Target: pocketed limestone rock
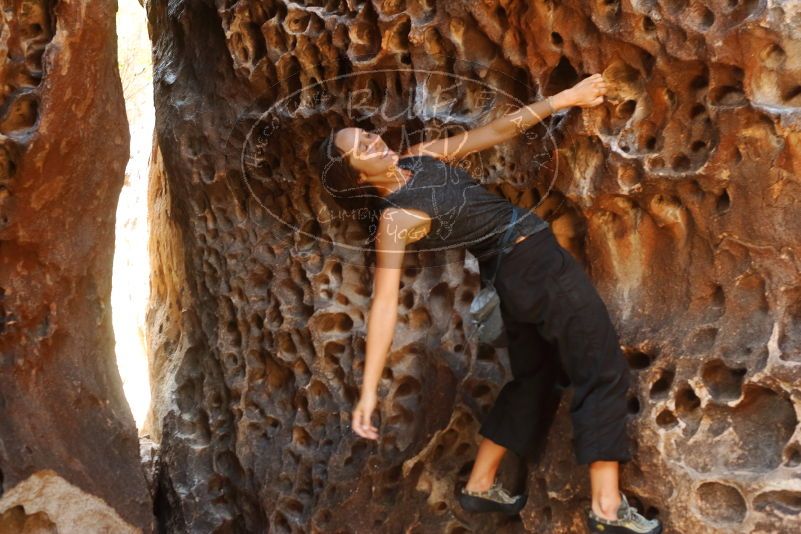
x: 679, y: 194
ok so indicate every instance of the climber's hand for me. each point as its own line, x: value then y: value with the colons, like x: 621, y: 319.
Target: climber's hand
x: 360, y: 419
x: 589, y: 92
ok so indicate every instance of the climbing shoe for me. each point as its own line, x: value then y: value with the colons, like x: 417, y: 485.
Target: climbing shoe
x: 628, y: 521
x: 495, y: 499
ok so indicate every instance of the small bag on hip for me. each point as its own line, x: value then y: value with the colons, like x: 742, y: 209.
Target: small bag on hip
x: 485, y: 311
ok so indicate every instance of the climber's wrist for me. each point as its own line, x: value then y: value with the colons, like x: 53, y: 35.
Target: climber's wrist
x: 367, y: 392
x: 562, y: 100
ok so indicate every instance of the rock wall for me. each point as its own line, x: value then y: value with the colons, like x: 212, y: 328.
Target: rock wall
x: 679, y: 194
x: 68, y: 445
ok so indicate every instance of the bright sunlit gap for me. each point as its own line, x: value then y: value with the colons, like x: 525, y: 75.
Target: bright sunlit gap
x: 131, y: 276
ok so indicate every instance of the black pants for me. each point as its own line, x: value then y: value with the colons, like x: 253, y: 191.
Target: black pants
x: 560, y: 334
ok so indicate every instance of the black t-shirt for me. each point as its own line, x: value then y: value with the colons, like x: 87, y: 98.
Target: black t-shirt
x: 463, y: 212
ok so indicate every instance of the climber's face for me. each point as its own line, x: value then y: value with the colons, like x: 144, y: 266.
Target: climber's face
x: 366, y: 152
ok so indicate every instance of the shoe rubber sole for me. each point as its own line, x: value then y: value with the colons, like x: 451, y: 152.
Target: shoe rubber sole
x: 479, y: 504
x: 596, y: 527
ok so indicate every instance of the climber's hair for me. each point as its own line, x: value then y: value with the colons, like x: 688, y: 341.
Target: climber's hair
x: 340, y: 179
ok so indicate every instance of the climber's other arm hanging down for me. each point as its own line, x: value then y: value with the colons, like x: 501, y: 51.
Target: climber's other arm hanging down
x: 396, y: 229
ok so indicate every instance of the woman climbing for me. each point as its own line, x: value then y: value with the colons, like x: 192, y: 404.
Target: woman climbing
x: 557, y: 325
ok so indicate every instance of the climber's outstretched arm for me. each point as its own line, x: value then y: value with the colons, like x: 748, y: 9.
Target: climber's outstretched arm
x: 588, y: 92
